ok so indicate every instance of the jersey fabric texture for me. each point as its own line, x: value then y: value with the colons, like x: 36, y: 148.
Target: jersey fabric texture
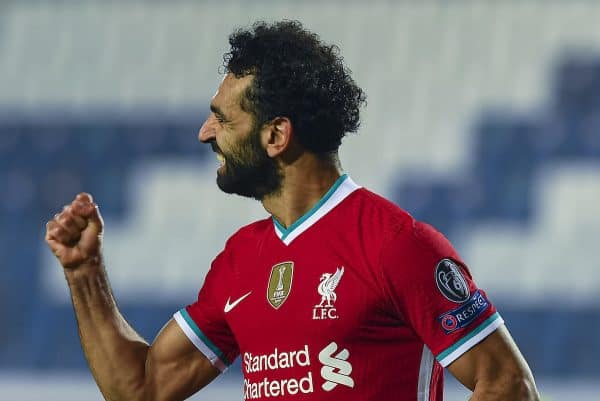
x: 355, y: 301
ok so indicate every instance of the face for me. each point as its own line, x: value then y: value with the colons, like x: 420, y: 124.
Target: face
x: 245, y: 169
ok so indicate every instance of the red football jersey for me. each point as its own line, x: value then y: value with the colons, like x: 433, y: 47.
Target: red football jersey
x: 355, y: 301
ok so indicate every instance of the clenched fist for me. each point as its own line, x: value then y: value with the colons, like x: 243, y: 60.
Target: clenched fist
x: 75, y: 234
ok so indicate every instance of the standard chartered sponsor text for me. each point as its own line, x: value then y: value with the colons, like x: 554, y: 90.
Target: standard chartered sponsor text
x: 276, y: 360
x: 277, y: 388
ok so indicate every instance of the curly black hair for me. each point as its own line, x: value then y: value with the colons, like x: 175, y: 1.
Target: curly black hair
x: 299, y: 77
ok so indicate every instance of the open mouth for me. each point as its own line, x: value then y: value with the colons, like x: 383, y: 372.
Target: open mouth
x: 221, y: 159
x: 219, y: 155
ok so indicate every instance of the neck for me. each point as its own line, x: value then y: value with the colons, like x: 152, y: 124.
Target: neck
x: 305, y: 182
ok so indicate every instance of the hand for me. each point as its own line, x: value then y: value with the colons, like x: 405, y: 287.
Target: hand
x: 75, y: 234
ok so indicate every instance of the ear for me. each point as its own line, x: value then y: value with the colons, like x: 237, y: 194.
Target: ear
x: 279, y: 136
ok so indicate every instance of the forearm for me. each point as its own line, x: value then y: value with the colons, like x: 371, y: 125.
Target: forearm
x: 506, y: 389
x: 115, y: 352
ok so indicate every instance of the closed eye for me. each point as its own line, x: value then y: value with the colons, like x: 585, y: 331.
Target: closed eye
x: 218, y: 114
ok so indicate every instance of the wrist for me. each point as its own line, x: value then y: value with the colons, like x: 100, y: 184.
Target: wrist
x: 89, y: 269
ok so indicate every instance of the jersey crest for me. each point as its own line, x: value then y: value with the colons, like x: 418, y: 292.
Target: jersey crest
x: 280, y: 283
x: 326, y: 289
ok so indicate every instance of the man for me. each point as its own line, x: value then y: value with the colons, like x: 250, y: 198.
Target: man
x: 340, y: 295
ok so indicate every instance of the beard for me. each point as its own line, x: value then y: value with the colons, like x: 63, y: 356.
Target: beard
x: 248, y: 170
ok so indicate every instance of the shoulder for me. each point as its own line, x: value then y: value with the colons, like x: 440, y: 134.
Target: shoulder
x: 380, y: 213
x: 255, y: 228
x: 401, y: 236
x: 417, y: 240
x: 250, y: 233
x: 239, y: 245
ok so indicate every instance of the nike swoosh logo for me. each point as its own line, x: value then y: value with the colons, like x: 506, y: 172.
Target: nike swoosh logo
x: 230, y: 306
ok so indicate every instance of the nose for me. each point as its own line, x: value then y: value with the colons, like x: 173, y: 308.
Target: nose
x: 208, y: 130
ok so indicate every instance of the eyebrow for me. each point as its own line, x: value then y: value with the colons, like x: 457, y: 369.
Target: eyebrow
x: 218, y: 112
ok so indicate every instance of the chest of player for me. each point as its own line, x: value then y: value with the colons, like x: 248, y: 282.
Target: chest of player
x: 294, y: 296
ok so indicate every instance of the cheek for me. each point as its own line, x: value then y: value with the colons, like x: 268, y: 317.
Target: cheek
x: 229, y: 150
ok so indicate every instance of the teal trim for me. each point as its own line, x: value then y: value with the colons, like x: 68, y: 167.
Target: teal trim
x: 203, y: 338
x: 472, y: 334
x: 285, y: 232
x: 279, y: 225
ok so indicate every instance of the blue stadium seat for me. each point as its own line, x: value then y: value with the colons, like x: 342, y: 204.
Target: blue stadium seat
x: 508, y: 152
x: 44, y: 162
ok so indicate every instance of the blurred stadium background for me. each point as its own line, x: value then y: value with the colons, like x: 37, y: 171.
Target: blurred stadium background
x: 483, y: 119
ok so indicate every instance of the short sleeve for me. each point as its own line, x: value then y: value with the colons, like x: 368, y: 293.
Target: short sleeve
x: 433, y: 292
x: 204, y: 321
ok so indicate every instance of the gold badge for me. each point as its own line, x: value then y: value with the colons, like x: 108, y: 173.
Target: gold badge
x: 280, y: 283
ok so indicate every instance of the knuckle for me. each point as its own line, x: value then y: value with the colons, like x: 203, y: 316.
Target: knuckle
x: 64, y: 219
x: 77, y: 206
x: 50, y: 226
x: 59, y: 230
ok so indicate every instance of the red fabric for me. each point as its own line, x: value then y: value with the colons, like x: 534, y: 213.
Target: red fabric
x: 386, y: 305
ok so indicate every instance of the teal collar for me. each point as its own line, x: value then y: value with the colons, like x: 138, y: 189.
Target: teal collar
x: 342, y: 187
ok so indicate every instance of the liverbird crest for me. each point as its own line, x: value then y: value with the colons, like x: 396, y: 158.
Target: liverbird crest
x: 327, y: 287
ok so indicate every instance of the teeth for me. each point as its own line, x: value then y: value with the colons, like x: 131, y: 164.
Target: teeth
x: 220, y: 158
